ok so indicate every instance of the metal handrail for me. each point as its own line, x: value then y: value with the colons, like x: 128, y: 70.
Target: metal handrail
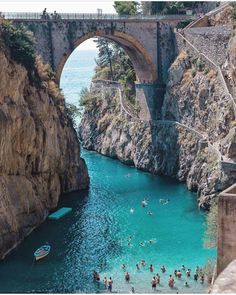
x: 81, y: 16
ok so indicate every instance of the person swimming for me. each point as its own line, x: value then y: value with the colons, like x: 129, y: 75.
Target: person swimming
x: 188, y: 272
x: 171, y: 281
x: 96, y: 276
x: 163, y: 269
x: 164, y: 201
x: 105, y: 282
x: 137, y: 267
x: 142, y: 244
x: 202, y: 278
x: 154, y: 283
x: 152, y: 241
x: 179, y: 274
x: 151, y: 268
x: 149, y: 213
x: 123, y: 266
x: 186, y: 284
x: 131, y: 210
x: 142, y: 262
x: 110, y: 282
x: 158, y: 279
x: 195, y: 276
x: 132, y: 290
x: 127, y: 277
x: 183, y: 267
x: 143, y: 204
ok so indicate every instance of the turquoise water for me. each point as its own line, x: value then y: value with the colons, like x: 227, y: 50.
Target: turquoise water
x: 95, y: 234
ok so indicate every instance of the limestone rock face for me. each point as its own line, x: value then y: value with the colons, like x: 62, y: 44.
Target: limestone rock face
x: 39, y: 153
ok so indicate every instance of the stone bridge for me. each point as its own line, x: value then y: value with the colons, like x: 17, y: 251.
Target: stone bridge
x: 148, y: 41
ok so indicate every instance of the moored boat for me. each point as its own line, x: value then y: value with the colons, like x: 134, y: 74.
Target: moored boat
x: 42, y: 252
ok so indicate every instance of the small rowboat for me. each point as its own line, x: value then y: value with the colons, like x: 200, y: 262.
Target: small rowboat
x: 42, y: 252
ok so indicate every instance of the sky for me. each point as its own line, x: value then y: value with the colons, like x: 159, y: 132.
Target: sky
x: 60, y: 6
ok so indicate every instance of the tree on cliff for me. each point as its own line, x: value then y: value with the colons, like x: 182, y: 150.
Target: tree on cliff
x: 20, y: 42
x: 126, y: 7
x: 105, y: 55
x: 113, y: 63
x: 167, y: 7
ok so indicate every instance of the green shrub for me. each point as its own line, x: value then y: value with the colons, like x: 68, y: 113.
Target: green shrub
x: 206, y: 71
x: 86, y: 97
x: 20, y: 43
x: 194, y: 72
x: 73, y: 112
x: 233, y: 16
x: 200, y: 65
x: 183, y: 23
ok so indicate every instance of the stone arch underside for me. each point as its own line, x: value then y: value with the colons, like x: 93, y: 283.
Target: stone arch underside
x: 145, y: 69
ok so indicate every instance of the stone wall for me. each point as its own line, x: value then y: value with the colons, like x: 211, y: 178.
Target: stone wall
x: 211, y: 41
x: 226, y: 228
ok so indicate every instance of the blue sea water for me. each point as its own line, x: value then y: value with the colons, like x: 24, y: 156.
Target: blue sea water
x: 95, y: 235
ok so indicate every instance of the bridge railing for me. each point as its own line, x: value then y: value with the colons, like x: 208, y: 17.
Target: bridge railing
x: 81, y: 16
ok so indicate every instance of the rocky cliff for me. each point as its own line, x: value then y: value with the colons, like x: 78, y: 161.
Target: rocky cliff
x: 39, y: 149
x: 195, y: 140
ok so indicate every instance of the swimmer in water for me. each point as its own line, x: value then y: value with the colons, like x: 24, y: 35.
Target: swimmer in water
x: 188, y: 272
x: 127, y: 277
x: 142, y: 262
x: 152, y: 241
x: 183, y: 267
x: 142, y: 244
x: 131, y: 210
x: 163, y: 269
x: 154, y: 283
x: 202, y: 278
x: 186, y: 284
x: 137, y: 267
x: 143, y: 204
x: 179, y: 274
x: 123, y: 266
x: 171, y: 282
x: 105, y: 282
x: 151, y: 268
x: 158, y: 279
x: 149, y: 213
x: 132, y: 290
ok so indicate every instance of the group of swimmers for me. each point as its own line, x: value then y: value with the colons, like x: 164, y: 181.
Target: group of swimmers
x: 107, y: 283
x: 144, y: 203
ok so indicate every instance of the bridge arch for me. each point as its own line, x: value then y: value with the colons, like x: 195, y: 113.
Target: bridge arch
x: 144, y: 67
